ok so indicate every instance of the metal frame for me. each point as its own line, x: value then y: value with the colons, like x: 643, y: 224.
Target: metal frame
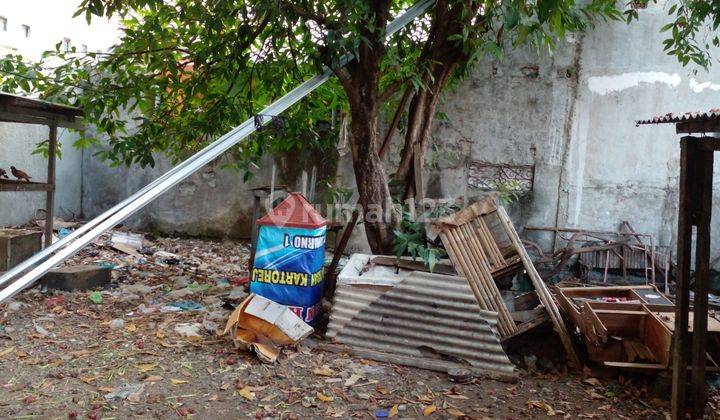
x: 72, y: 243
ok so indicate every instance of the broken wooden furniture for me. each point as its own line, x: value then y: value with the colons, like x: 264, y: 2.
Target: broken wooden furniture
x: 695, y: 209
x: 18, y: 109
x: 484, y: 246
x: 628, y: 327
x: 624, y: 251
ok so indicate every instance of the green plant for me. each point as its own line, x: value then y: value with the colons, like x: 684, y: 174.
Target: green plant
x: 411, y: 240
x: 509, y: 190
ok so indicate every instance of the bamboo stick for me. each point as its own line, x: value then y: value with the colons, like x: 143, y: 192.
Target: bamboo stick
x: 488, y: 280
x: 485, y: 281
x: 471, y: 276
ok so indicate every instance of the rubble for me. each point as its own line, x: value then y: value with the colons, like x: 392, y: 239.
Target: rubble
x: 77, y: 359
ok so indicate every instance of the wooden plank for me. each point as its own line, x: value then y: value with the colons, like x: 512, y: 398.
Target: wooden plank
x: 469, y: 213
x: 698, y: 127
x: 703, y: 203
x: 11, y: 185
x: 50, y: 196
x: 527, y: 326
x: 412, y: 265
x: 647, y: 366
x: 329, y: 291
x: 682, y: 301
x: 542, y: 290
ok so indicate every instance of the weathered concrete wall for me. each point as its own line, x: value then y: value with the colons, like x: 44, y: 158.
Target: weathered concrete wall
x: 594, y: 167
x: 576, y: 109
x: 17, y: 141
x: 214, y: 202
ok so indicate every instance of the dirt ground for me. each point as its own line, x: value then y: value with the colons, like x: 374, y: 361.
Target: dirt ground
x: 145, y: 347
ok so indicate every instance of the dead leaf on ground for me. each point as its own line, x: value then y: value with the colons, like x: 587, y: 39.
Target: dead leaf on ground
x: 178, y: 381
x: 246, y: 393
x: 592, y: 381
x: 7, y: 351
x: 429, y: 409
x: 543, y: 406
x: 324, y: 398
x: 324, y: 371
x: 146, y: 367
x: 455, y: 412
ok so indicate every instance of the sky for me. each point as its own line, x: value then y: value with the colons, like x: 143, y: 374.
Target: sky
x: 50, y: 21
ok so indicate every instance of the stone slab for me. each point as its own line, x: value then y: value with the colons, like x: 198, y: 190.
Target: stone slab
x: 77, y: 277
x: 17, y: 245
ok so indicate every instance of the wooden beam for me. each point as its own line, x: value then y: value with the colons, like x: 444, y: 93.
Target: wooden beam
x: 688, y: 155
x: 50, y: 197
x: 19, y: 186
x: 11, y: 117
x: 703, y: 200
x: 698, y: 127
x: 542, y: 291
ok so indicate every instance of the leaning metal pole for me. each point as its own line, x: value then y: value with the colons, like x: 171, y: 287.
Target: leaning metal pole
x: 74, y: 242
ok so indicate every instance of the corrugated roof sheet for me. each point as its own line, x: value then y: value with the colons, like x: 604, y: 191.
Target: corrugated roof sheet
x: 425, y: 317
x: 687, y: 116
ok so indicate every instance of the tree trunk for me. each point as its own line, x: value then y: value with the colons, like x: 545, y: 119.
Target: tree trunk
x: 371, y: 181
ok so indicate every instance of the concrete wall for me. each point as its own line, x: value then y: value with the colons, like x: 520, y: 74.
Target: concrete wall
x: 17, y: 141
x: 214, y: 202
x: 594, y: 167
x: 576, y: 108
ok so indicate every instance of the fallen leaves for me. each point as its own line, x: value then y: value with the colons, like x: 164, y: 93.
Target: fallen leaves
x: 324, y: 371
x: 247, y: 393
x: 324, y: 398
x: 429, y: 409
x: 146, y: 367
x: 455, y: 412
x: 178, y: 381
x: 7, y: 351
x: 543, y: 406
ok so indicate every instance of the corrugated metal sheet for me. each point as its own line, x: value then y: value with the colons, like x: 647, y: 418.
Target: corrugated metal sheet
x: 687, y: 116
x: 423, y: 317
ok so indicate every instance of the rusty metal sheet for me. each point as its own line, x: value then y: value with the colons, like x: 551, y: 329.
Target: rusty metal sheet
x: 424, y: 316
x: 684, y: 117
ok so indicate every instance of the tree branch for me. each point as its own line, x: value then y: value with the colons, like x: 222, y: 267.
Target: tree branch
x: 310, y: 15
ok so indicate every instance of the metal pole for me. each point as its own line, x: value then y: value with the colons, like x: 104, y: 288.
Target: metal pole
x: 87, y: 233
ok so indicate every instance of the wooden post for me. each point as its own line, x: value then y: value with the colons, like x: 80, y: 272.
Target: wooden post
x: 254, y: 230
x: 50, y: 197
x: 688, y: 159
x: 701, y: 216
x: 696, y: 175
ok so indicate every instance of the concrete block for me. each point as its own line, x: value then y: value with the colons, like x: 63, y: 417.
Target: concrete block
x: 77, y: 277
x: 16, y: 245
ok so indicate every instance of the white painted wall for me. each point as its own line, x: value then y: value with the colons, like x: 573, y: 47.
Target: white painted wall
x: 50, y: 21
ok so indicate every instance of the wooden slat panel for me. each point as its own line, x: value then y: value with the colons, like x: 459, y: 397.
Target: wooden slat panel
x: 542, y: 290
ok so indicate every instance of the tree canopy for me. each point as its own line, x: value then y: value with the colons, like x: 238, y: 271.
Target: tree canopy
x: 187, y: 71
